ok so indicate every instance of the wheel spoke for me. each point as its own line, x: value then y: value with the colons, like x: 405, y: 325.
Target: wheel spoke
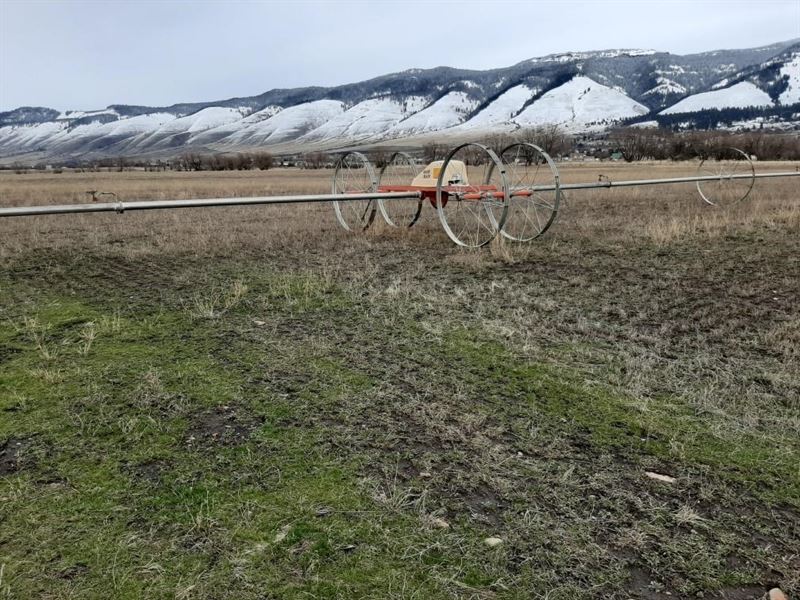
x: 400, y: 170
x: 474, y: 222
x: 354, y: 174
x: 533, y: 213
x: 730, y: 187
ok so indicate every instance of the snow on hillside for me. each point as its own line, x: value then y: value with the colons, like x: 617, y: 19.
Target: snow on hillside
x: 175, y: 132
x: 366, y: 119
x: 207, y: 118
x: 222, y: 131
x: 29, y: 137
x: 123, y: 128
x: 449, y: 110
x: 81, y: 114
x: 721, y: 84
x: 59, y: 134
x: 791, y: 70
x: 135, y: 125
x: 262, y: 115
x: 740, y: 95
x: 580, y: 104
x: 503, y: 108
x: 573, y: 56
x: 665, y: 87
x: 287, y: 124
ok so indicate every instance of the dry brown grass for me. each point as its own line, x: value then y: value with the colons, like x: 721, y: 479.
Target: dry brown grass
x: 195, y: 231
x: 670, y: 212
x: 661, y: 214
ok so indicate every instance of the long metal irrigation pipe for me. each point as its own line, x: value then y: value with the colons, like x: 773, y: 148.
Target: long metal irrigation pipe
x: 633, y: 182
x: 119, y: 207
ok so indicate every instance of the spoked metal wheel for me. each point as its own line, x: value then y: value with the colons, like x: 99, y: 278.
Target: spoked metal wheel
x: 399, y: 171
x: 535, y: 191
x: 354, y: 175
x: 472, y: 202
x: 735, y: 179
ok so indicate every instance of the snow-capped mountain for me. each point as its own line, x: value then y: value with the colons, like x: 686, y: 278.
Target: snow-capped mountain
x: 367, y: 119
x: 286, y: 124
x: 739, y: 95
x: 581, y: 104
x: 504, y: 108
x: 767, y: 92
x: 578, y: 91
x: 448, y: 111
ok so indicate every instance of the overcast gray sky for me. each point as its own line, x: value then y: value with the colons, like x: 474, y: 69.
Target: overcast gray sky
x: 70, y: 54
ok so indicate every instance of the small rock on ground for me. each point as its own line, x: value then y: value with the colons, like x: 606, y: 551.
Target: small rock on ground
x: 660, y: 477
x: 282, y: 533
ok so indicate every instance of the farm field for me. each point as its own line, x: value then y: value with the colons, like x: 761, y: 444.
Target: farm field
x: 251, y: 402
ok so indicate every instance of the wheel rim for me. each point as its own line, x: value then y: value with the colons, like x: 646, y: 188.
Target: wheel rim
x: 472, y: 214
x: 354, y: 175
x: 531, y: 210
x: 399, y: 171
x: 724, y: 191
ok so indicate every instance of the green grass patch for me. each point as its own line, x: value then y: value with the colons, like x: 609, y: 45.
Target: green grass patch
x: 664, y: 427
x: 266, y: 433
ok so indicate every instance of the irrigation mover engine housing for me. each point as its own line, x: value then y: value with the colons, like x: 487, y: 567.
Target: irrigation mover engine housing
x: 477, y: 192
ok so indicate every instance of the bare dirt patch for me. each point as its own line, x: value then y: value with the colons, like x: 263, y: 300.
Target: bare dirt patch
x: 151, y: 470
x: 10, y: 451
x: 222, y: 426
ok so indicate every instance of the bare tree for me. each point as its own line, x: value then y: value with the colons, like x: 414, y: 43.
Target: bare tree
x: 433, y: 151
x: 379, y: 157
x: 314, y: 160
x: 263, y: 161
x: 550, y: 138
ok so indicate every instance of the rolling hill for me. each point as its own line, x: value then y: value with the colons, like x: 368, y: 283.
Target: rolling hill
x: 582, y: 92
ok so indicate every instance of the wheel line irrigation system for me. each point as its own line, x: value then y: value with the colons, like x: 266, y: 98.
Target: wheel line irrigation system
x: 471, y: 214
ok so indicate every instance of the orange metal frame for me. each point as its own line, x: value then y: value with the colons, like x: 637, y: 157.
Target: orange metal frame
x: 430, y: 192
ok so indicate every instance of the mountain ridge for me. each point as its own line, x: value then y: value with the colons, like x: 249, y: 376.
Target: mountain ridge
x: 625, y: 83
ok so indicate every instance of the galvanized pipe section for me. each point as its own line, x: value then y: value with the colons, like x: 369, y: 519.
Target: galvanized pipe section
x: 120, y: 207
x: 634, y: 182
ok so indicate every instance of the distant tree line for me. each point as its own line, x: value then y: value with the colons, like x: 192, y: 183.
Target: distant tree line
x: 636, y: 143
x: 550, y: 138
x: 241, y: 161
x: 316, y: 160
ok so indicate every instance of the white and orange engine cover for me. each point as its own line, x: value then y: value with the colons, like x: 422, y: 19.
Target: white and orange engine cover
x: 456, y: 174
